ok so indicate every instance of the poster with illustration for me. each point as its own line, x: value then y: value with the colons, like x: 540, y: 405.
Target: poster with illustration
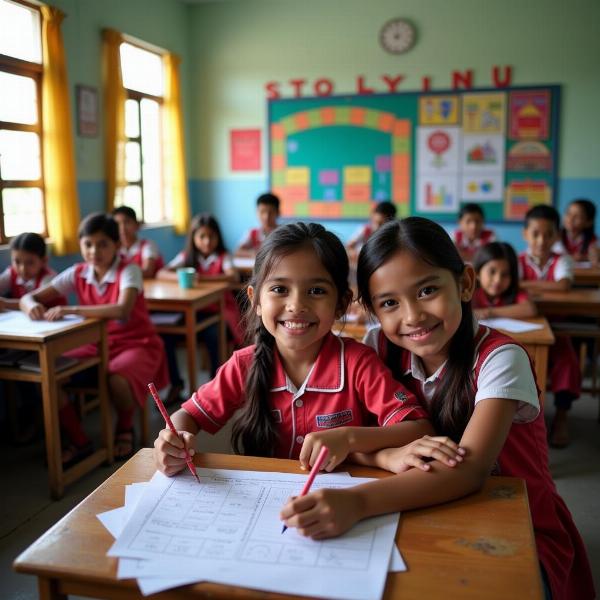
x: 482, y: 187
x: 482, y: 153
x: 439, y: 110
x: 438, y: 149
x: 437, y: 194
x: 484, y: 113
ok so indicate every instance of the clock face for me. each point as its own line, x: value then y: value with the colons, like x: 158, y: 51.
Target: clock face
x: 397, y: 36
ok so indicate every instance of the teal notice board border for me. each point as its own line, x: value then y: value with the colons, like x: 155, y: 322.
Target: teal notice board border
x: 333, y: 157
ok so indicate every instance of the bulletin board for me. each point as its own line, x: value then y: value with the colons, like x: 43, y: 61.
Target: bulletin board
x: 428, y: 152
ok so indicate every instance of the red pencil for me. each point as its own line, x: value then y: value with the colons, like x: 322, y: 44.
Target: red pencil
x: 165, y: 414
x: 313, y: 473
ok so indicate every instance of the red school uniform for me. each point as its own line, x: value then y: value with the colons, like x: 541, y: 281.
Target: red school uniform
x: 525, y: 455
x: 16, y: 287
x: 576, y: 246
x: 467, y: 247
x: 347, y: 386
x: 564, y: 370
x: 135, y: 350
x: 140, y: 250
x: 482, y: 300
x: 362, y: 235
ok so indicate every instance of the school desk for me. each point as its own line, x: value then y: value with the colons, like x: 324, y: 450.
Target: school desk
x: 49, y: 346
x: 481, y: 546
x: 167, y: 296
x: 586, y: 276
x: 537, y: 343
x: 574, y: 303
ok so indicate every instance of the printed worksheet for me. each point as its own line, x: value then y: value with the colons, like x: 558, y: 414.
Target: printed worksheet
x: 227, y: 530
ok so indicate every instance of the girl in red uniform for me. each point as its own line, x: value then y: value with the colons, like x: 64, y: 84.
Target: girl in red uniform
x: 107, y: 288
x: 498, y: 293
x: 577, y: 236
x: 28, y: 270
x: 479, y: 388
x: 299, y: 386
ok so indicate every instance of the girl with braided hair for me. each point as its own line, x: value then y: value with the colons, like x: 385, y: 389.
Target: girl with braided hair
x: 298, y: 386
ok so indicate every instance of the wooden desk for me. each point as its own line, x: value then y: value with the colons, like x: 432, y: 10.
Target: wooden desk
x: 481, y: 546
x: 537, y: 344
x: 49, y: 346
x: 580, y: 303
x: 587, y: 276
x: 167, y: 296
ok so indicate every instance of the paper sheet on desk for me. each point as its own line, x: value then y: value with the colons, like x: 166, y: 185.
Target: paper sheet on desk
x: 146, y: 572
x: 512, y: 325
x: 15, y: 321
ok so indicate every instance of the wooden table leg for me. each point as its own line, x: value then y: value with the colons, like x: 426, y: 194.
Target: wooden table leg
x: 222, y: 331
x: 105, y: 409
x: 48, y: 589
x: 50, y: 402
x: 190, y: 344
x: 541, y: 370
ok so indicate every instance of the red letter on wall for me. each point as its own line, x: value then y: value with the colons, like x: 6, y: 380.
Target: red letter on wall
x: 297, y: 85
x: 323, y: 87
x: 392, y: 82
x: 272, y: 88
x: 464, y: 79
x: 425, y: 84
x: 360, y: 86
x: 505, y: 82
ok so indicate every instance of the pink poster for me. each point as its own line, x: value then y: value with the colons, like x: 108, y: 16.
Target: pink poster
x: 245, y: 149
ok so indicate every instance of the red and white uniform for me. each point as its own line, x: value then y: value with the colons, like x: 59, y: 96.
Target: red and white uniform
x: 360, y: 238
x: 574, y: 246
x: 135, y: 350
x: 253, y: 239
x: 467, y: 247
x: 142, y: 250
x: 346, y: 386
x: 12, y: 285
x: 217, y: 264
x: 482, y: 300
x: 502, y: 369
x: 564, y: 369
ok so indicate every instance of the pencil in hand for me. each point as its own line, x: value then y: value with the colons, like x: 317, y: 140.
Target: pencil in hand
x: 167, y: 418
x: 311, y: 476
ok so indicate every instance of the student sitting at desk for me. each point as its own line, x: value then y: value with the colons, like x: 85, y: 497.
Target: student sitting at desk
x: 479, y: 389
x: 267, y: 210
x: 471, y: 233
x: 498, y: 293
x: 107, y: 288
x: 299, y: 387
x: 381, y: 213
x: 143, y: 253
x: 28, y: 271
x: 577, y: 236
x: 540, y: 269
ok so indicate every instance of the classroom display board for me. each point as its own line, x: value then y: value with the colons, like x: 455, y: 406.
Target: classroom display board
x: 428, y: 152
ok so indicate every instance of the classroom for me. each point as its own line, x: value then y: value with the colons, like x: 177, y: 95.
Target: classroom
x: 187, y: 112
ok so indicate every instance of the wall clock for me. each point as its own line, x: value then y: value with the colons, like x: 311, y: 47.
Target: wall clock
x: 397, y: 36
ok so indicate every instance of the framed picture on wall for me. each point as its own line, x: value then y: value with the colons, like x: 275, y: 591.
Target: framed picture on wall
x: 87, y: 110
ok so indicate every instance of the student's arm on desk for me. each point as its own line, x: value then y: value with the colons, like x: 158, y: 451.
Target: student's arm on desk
x: 329, y: 512
x: 148, y: 267
x: 166, y: 274
x: 9, y: 303
x: 522, y: 310
x: 33, y: 304
x: 562, y: 285
x: 169, y: 454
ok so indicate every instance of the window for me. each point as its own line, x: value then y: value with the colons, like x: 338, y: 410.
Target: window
x: 143, y: 79
x: 21, y: 173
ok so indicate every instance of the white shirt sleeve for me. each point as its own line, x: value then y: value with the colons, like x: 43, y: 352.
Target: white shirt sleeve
x: 227, y: 262
x: 5, y: 282
x: 564, y: 268
x: 371, y: 338
x: 177, y: 262
x: 246, y: 242
x: 131, y: 277
x: 64, y: 282
x: 149, y: 250
x: 46, y: 280
x: 558, y: 247
x: 358, y: 238
x: 506, y: 373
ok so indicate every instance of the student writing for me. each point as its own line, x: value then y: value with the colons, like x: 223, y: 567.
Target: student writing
x: 479, y: 388
x: 498, y: 293
x: 298, y: 387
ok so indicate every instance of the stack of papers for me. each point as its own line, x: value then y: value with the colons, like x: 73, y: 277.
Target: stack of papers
x: 16, y: 322
x: 512, y: 325
x: 174, y: 532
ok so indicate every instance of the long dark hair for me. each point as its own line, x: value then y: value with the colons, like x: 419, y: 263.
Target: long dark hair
x: 254, y: 430
x: 453, y: 401
x: 190, y: 250
x: 500, y: 251
x: 589, y: 232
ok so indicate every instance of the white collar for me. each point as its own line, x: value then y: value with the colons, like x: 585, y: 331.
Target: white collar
x: 133, y: 249
x: 109, y: 277
x: 209, y: 260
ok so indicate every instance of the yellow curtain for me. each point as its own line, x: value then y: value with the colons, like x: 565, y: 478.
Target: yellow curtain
x: 114, y: 116
x: 176, y: 190
x: 62, y: 205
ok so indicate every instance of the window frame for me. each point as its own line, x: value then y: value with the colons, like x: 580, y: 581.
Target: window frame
x: 35, y: 71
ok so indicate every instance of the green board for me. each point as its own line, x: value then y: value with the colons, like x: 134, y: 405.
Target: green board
x: 333, y: 157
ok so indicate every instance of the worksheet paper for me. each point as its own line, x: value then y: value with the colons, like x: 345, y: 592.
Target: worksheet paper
x: 512, y: 325
x: 15, y: 321
x: 227, y: 530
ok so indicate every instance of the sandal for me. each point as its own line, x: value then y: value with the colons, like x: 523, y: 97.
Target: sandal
x: 72, y: 454
x: 124, y: 446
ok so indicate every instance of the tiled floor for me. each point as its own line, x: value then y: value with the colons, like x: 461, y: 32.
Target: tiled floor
x: 26, y: 510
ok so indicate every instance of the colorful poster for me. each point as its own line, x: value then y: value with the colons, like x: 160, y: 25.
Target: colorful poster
x: 529, y: 156
x: 482, y: 187
x: 438, y: 110
x: 438, y: 150
x: 522, y: 194
x: 484, y: 113
x: 245, y: 149
x: 437, y: 194
x: 529, y: 115
x: 482, y: 153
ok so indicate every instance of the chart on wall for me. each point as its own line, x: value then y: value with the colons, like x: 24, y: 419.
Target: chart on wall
x: 428, y: 152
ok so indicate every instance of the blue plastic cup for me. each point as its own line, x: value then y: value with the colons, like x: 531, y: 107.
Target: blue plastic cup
x: 186, y: 276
